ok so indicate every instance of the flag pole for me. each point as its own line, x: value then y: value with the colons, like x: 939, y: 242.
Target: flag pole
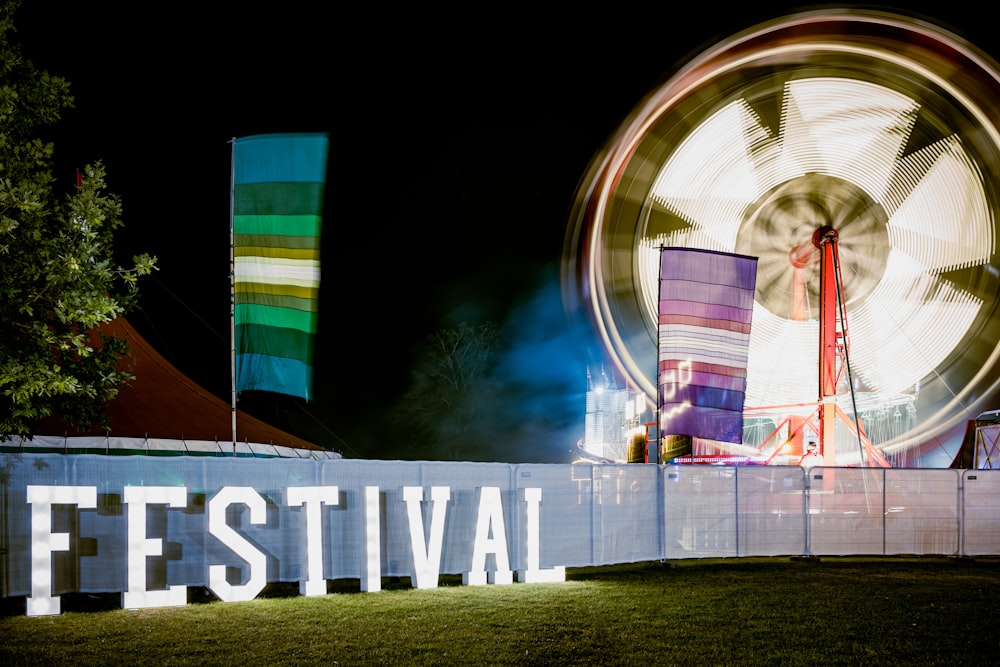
x: 232, y: 291
x: 658, y: 457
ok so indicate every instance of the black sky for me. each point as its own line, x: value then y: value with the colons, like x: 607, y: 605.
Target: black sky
x: 458, y: 138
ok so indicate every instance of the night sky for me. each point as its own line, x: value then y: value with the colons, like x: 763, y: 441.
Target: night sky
x: 458, y: 139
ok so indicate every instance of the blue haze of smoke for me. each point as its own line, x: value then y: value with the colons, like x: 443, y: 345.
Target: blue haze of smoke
x: 541, y: 375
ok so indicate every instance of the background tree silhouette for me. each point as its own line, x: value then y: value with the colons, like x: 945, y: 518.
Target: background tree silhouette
x: 452, y: 386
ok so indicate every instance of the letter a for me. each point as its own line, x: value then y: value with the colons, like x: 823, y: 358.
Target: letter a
x: 490, y: 520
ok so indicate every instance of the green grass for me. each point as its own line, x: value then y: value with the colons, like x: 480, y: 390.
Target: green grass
x: 752, y: 611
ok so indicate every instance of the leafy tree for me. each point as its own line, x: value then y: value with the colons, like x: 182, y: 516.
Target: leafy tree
x: 450, y: 387
x: 58, y: 279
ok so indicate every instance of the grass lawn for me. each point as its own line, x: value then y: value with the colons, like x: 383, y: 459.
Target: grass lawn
x: 747, y: 611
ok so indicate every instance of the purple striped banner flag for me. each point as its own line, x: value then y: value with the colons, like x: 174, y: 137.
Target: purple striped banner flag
x: 706, y: 306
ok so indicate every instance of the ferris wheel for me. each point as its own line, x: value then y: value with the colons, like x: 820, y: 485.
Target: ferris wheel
x: 883, y: 127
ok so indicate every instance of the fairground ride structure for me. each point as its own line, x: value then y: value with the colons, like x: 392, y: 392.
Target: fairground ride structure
x: 855, y: 154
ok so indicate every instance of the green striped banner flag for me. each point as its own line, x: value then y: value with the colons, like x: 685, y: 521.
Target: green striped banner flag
x: 277, y: 205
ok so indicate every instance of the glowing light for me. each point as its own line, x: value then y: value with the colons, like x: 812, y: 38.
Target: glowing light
x: 832, y: 117
x: 426, y: 556
x: 533, y: 574
x: 371, y: 578
x: 44, y: 542
x: 140, y: 547
x: 256, y: 560
x: 491, y: 538
x: 855, y: 131
x: 313, y: 498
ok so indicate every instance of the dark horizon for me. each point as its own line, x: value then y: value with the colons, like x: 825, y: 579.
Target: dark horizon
x: 457, y: 148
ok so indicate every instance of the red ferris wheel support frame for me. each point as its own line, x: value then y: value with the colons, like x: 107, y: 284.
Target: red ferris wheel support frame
x: 832, y: 343
x: 834, y: 354
x: 833, y: 357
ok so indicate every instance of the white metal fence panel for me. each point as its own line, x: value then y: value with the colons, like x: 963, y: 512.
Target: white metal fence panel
x: 922, y: 513
x: 980, y: 512
x: 771, y: 510
x: 625, y: 508
x: 846, y: 511
x: 566, y: 512
x: 699, y: 515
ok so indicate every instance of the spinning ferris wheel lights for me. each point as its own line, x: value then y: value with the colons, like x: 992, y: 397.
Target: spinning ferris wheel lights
x: 853, y: 121
x: 738, y: 187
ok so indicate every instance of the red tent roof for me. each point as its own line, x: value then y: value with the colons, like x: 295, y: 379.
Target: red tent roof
x: 162, y: 402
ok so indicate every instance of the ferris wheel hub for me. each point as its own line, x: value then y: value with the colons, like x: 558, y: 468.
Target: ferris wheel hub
x: 824, y: 234
x: 783, y: 227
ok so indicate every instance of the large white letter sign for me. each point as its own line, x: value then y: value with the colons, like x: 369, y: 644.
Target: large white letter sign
x: 44, y: 541
x: 490, y: 517
x: 139, y: 546
x: 371, y: 572
x: 532, y: 497
x: 426, y: 561
x: 257, y: 562
x: 313, y: 497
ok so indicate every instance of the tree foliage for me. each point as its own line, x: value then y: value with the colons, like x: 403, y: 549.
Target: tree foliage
x: 451, y: 385
x: 58, y: 278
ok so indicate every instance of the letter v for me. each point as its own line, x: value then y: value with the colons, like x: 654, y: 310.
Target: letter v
x: 426, y: 561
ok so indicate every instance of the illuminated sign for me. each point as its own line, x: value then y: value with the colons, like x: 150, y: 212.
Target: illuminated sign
x: 425, y: 541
